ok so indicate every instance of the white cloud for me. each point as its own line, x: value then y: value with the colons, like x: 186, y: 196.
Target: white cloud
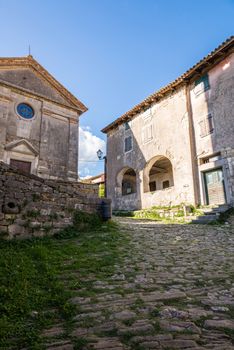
x: 89, y: 144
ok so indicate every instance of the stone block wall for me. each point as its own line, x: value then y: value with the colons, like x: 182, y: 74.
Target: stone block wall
x: 32, y: 207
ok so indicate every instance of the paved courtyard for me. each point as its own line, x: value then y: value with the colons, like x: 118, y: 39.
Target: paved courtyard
x: 175, y: 290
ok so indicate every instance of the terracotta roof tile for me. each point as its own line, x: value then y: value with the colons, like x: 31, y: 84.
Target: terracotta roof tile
x: 214, y: 55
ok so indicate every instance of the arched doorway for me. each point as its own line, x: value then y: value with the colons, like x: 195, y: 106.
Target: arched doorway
x: 158, y: 174
x: 126, y: 180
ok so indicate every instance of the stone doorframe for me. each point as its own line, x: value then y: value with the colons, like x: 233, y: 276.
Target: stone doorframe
x: 22, y: 150
x: 209, y: 167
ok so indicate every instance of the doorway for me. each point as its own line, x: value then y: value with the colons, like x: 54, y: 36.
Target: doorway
x: 21, y: 165
x: 214, y: 186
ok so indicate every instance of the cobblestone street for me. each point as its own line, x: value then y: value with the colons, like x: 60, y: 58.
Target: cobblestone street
x: 175, y: 291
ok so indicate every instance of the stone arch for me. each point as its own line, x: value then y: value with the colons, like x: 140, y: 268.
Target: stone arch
x: 126, y: 181
x: 158, y: 174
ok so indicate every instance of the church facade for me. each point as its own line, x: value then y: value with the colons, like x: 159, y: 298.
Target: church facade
x: 39, y: 120
x: 177, y: 146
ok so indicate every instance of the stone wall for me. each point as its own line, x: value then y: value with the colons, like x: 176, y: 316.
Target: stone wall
x: 217, y: 103
x: 32, y: 207
x: 167, y: 125
x: 49, y: 141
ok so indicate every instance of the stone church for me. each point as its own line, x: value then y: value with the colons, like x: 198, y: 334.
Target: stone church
x: 177, y: 146
x: 39, y: 120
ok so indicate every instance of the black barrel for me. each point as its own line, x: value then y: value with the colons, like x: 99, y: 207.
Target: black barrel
x: 106, y: 210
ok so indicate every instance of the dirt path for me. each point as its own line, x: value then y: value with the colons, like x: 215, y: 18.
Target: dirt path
x: 175, y: 291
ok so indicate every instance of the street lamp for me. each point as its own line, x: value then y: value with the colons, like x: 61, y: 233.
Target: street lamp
x: 101, y: 157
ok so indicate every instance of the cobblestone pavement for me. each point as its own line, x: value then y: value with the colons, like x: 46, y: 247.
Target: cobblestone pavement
x: 175, y: 291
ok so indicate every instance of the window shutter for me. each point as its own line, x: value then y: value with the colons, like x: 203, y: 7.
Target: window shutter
x: 202, y: 128
x: 210, y: 126
x: 147, y: 133
x: 128, y: 143
x: 202, y: 84
x: 126, y: 126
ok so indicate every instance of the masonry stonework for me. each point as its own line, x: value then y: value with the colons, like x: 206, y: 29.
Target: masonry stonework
x: 49, y: 140
x: 177, y: 146
x: 33, y: 207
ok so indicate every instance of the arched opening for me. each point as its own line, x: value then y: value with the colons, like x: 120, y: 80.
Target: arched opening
x: 158, y: 174
x: 129, y: 182
x: 126, y: 181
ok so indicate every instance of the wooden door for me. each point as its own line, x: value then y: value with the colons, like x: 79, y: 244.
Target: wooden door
x: 21, y: 165
x: 215, y: 191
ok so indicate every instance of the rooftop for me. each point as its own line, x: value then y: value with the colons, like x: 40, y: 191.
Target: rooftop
x: 193, y: 73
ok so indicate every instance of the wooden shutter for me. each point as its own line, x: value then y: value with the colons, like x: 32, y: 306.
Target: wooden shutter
x: 202, y: 128
x: 128, y: 143
x: 209, y: 124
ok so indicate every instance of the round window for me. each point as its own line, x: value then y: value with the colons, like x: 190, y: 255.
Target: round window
x: 25, y: 111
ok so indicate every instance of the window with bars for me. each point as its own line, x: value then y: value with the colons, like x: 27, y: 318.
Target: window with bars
x: 206, y: 126
x: 128, y: 144
x: 201, y: 85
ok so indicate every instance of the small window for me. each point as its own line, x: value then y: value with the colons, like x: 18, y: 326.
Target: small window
x: 201, y: 85
x: 152, y: 186
x: 128, y: 144
x: 147, y: 133
x: 25, y: 111
x: 126, y: 126
x: 206, y: 126
x: 211, y: 158
x: 166, y: 184
x: 126, y: 188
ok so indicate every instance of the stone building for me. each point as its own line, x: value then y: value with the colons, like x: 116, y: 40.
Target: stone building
x: 177, y: 146
x: 38, y: 120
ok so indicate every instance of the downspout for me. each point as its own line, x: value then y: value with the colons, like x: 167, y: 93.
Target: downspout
x: 195, y: 171
x: 39, y: 155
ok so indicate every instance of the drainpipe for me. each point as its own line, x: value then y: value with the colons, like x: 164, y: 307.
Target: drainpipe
x: 105, y: 176
x: 195, y: 171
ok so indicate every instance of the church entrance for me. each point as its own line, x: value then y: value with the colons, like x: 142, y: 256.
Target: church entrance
x: 21, y: 165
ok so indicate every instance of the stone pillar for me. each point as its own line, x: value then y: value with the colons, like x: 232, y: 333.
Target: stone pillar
x: 3, y: 128
x: 140, y: 185
x: 72, y: 158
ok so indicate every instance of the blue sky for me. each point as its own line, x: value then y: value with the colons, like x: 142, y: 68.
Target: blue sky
x: 111, y: 54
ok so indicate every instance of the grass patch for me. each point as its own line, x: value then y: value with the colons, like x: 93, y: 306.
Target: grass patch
x: 161, y: 214
x: 137, y: 304
x: 33, y: 294
x: 80, y: 343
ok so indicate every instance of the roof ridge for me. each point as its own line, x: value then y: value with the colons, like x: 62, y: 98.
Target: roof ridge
x: 172, y: 85
x: 32, y: 62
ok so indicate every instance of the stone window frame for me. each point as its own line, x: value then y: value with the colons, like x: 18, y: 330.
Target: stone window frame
x: 29, y: 104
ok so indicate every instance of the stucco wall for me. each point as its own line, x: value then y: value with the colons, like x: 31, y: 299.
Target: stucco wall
x: 170, y: 138
x: 217, y: 101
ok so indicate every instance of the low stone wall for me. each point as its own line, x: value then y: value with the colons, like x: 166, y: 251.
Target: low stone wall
x: 32, y: 206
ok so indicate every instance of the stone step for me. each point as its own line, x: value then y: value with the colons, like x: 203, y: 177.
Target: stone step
x: 216, y: 210
x: 202, y: 221
x: 208, y: 217
x: 205, y: 219
x: 211, y: 213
